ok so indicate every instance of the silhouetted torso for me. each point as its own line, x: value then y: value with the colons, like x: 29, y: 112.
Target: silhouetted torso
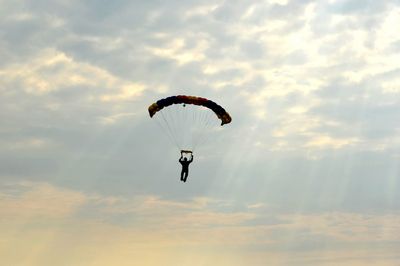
x: 185, y: 163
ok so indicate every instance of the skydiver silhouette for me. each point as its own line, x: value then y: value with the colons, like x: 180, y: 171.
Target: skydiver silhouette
x: 185, y: 165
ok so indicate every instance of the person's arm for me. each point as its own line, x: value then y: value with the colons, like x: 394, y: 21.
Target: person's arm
x: 191, y: 158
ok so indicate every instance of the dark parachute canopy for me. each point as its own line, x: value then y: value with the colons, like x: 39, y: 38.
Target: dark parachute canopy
x: 188, y: 120
x: 183, y: 99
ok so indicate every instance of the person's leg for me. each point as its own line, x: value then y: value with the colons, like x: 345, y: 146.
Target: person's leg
x: 186, y: 175
x: 182, y: 172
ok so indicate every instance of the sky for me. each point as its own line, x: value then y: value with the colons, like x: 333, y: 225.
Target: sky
x: 306, y: 174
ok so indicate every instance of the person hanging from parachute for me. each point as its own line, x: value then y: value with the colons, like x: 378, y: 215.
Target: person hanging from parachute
x: 185, y: 164
x: 184, y: 121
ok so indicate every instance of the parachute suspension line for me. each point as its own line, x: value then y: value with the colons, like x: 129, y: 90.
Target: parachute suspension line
x: 199, y: 124
x: 205, y: 134
x: 188, y: 119
x: 193, y: 115
x: 177, y: 125
x: 206, y: 122
x: 199, y: 117
x: 186, y: 114
x: 191, y: 124
x: 184, y: 125
x: 172, y: 116
x: 175, y: 118
x: 185, y: 128
x: 164, y: 129
x: 197, y: 140
x: 208, y: 117
x: 170, y: 130
x: 180, y: 124
x: 169, y: 127
x: 177, y: 121
x: 195, y: 123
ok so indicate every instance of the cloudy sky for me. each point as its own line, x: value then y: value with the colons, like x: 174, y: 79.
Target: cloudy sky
x: 306, y: 174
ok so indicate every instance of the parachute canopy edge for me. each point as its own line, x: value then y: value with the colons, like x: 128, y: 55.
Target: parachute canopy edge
x: 217, y: 109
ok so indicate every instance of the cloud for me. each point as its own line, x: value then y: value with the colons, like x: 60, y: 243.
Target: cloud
x: 39, y: 200
x: 54, y: 218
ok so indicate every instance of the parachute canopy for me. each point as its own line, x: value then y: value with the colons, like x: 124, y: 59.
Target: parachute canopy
x: 183, y: 99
